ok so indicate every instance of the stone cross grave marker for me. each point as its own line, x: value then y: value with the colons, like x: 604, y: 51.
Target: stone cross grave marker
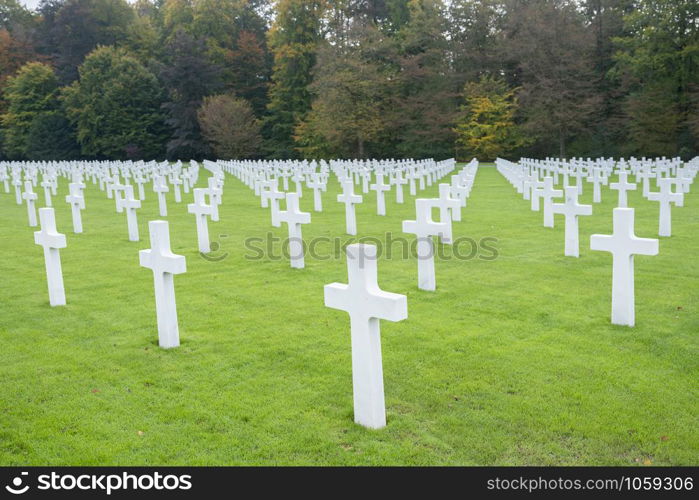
x: 130, y: 204
x: 164, y: 264
x: 380, y: 187
x: 571, y: 209
x: 665, y: 197
x: 424, y: 228
x: 30, y: 197
x: 52, y: 241
x: 623, y: 245
x: 350, y: 200
x: 622, y: 186
x: 161, y: 187
x: 294, y: 218
x: 366, y: 304
x: 201, y: 210
x: 77, y: 203
x: 548, y: 194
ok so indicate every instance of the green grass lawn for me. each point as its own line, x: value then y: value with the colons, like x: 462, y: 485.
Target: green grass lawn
x: 511, y: 361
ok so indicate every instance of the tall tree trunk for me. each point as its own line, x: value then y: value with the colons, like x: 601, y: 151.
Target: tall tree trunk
x: 360, y: 146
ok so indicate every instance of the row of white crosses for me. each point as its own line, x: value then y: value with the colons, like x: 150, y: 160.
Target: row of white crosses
x: 159, y: 258
x: 668, y: 174
x: 362, y: 298
x: 623, y: 244
x: 263, y: 177
x: 109, y: 176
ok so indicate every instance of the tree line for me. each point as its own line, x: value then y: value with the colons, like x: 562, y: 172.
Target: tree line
x: 188, y: 79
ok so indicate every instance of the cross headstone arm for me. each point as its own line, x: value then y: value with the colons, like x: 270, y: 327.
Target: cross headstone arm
x: 646, y: 246
x: 601, y: 242
x: 335, y: 296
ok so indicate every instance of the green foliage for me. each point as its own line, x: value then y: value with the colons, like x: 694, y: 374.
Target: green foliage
x: 229, y: 126
x: 116, y: 107
x: 424, y: 104
x: 189, y: 76
x: 81, y: 25
x: 31, y: 93
x: 14, y: 15
x: 548, y: 52
x: 487, y: 129
x: 383, y: 77
x: 52, y: 137
x: 657, y: 63
x: 236, y: 40
x: 351, y: 102
x: 293, y: 39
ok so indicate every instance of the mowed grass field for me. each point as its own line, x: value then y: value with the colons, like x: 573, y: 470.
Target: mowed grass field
x: 512, y: 361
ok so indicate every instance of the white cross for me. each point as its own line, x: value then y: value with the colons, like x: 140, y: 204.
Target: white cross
x: 215, y: 192
x: 130, y: 204
x: 5, y: 179
x: 527, y: 182
x: 110, y: 184
x: 597, y: 179
x: 665, y: 197
x: 316, y: 185
x: 380, y: 187
x: 47, y: 184
x: 424, y: 228
x: 578, y: 180
x: 200, y: 210
x: 77, y: 203
x: 176, y: 181
x: 365, y: 181
x: 117, y: 189
x: 274, y: 195
x: 17, y: 183
x: 537, y: 191
x: 548, y: 194
x: 349, y: 199
x: 139, y: 180
x: 294, y: 218
x: 622, y: 186
x: 449, y: 209
x: 164, y: 264
x: 459, y: 189
x: 265, y: 186
x: 412, y: 176
x: 161, y: 187
x: 571, y: 209
x: 30, y: 196
x: 366, y: 304
x: 623, y: 245
x: 52, y: 241
x: 398, y: 180
x: 645, y: 176
x: 298, y: 179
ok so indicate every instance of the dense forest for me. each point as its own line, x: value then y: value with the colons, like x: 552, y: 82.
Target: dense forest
x: 188, y: 79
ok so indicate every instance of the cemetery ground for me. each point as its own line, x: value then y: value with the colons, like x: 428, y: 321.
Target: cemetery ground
x: 512, y: 361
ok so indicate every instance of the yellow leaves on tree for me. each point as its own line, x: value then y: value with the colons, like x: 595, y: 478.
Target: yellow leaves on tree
x: 487, y: 128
